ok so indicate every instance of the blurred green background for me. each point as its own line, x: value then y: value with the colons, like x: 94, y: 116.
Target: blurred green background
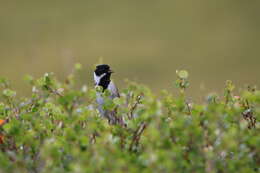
x: 143, y: 40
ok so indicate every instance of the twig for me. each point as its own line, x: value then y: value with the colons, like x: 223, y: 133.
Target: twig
x: 132, y: 109
x: 250, y: 118
x: 53, y: 91
x: 93, y: 137
x: 189, y: 108
x: 137, y: 135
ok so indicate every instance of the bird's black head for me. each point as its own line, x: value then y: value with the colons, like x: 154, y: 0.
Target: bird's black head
x: 102, y: 69
x: 102, y: 75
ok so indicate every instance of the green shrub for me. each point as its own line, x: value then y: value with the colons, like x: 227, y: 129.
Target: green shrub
x: 58, y: 129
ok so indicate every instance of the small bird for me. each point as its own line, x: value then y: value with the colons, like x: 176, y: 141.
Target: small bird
x: 102, y: 76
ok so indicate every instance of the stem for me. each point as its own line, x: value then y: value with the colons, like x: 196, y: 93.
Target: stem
x: 137, y: 135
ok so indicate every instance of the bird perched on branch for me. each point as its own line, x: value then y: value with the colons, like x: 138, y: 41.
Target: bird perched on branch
x: 102, y: 76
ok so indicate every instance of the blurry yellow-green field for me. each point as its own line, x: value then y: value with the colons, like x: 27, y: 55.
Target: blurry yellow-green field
x: 143, y: 40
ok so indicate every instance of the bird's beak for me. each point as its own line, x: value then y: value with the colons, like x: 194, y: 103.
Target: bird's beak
x: 111, y: 71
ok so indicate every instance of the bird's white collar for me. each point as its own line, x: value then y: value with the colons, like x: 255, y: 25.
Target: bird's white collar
x: 98, y: 78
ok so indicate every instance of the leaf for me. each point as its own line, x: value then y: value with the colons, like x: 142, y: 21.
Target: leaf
x: 78, y: 66
x: 9, y: 93
x: 29, y: 79
x: 229, y: 85
x: 118, y: 101
x: 4, y: 82
x: 47, y: 78
x: 183, y: 74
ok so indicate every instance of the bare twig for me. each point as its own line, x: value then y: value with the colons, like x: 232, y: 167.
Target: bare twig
x: 132, y: 109
x: 54, y: 91
x: 249, y: 117
x: 137, y: 135
x: 189, y: 108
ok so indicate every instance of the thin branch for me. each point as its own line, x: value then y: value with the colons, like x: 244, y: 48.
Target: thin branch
x: 189, y: 108
x: 132, y: 109
x: 137, y: 135
x: 54, y: 91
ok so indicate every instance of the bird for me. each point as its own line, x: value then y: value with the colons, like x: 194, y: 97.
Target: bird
x: 102, y: 78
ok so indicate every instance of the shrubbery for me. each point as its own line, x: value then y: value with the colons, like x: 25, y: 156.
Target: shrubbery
x: 58, y: 129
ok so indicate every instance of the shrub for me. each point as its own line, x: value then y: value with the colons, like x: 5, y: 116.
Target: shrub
x: 58, y: 129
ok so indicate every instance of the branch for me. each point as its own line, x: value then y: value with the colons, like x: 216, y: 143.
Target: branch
x: 137, y: 135
x: 132, y: 109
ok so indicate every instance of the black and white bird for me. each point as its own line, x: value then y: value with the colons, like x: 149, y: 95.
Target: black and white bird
x: 102, y: 76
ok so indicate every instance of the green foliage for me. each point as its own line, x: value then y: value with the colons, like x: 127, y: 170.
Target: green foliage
x: 182, y: 81
x: 9, y: 93
x: 58, y: 129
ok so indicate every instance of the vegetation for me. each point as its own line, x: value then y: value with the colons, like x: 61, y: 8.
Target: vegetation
x: 58, y: 129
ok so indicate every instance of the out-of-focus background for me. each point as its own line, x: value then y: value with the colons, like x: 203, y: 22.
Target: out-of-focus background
x: 143, y: 40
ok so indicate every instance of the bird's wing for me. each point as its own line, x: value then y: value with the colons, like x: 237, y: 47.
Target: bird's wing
x: 113, y: 89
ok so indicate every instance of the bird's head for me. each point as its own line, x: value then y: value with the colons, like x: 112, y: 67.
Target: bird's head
x: 103, y: 72
x: 103, y: 69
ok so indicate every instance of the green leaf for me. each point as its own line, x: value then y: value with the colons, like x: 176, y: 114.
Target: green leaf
x: 78, y: 66
x: 183, y: 74
x: 9, y: 93
x: 29, y: 79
